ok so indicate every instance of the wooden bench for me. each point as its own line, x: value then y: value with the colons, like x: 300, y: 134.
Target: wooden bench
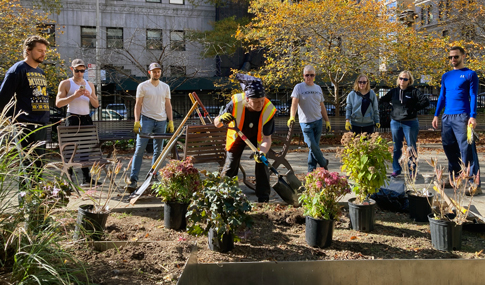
x: 79, y: 147
x: 205, y: 143
x: 111, y: 131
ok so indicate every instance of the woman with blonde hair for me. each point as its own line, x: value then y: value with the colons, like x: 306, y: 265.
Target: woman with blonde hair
x: 406, y: 101
x: 362, y: 110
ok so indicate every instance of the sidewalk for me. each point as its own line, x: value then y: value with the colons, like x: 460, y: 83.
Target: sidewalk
x: 298, y: 161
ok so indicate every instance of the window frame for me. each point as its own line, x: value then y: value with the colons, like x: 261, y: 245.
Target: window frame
x: 177, y: 45
x: 86, y: 36
x: 112, y: 38
x: 150, y: 41
x: 170, y: 2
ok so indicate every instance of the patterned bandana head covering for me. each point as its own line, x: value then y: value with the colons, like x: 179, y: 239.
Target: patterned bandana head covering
x: 252, y: 86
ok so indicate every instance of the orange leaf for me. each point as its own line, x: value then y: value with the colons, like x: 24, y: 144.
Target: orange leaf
x: 353, y: 237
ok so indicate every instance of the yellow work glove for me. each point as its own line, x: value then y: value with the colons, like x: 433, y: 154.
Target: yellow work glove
x: 291, y: 120
x: 226, y: 118
x: 378, y: 125
x: 348, y: 126
x: 257, y: 156
x: 471, y: 135
x: 137, y: 127
x: 328, y: 127
x: 170, y: 127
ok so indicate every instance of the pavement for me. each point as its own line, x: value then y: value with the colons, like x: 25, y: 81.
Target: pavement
x: 298, y: 160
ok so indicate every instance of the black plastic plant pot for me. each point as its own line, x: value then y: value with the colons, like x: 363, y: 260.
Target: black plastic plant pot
x: 225, y: 244
x: 445, y: 235
x: 174, y: 216
x: 362, y: 216
x: 319, y: 233
x: 419, y: 206
x: 89, y: 224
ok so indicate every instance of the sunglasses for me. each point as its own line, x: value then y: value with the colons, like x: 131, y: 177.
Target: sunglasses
x: 454, y: 56
x: 362, y: 82
x: 82, y: 70
x: 309, y: 75
x: 403, y: 79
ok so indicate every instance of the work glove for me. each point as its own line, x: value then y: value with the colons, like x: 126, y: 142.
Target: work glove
x: 137, y: 127
x: 257, y: 156
x: 348, y: 126
x: 226, y: 118
x: 170, y: 127
x: 471, y: 135
x: 378, y: 125
x: 328, y: 127
x: 291, y: 120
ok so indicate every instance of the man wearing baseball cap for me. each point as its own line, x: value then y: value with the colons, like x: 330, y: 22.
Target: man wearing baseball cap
x: 153, y: 114
x: 77, y: 94
x: 253, y: 113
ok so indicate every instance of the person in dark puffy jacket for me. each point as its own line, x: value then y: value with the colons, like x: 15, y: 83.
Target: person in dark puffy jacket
x: 362, y: 110
x: 406, y: 101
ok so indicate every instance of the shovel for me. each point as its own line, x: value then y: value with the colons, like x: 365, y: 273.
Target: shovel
x: 158, y: 163
x: 283, y: 189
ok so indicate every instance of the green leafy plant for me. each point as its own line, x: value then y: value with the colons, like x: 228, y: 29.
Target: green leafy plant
x: 220, y: 205
x: 179, y: 179
x: 323, y: 191
x: 365, y: 159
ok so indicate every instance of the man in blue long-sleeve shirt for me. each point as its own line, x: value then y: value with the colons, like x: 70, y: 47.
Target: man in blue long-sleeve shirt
x: 458, y: 96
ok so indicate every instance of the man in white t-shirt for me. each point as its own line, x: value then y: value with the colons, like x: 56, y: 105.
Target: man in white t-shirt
x: 153, y: 114
x: 308, y: 98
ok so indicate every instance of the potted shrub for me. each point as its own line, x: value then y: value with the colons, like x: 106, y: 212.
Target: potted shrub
x: 420, y: 199
x: 91, y: 218
x: 320, y: 202
x: 179, y: 179
x: 448, y: 216
x: 219, y: 210
x: 364, y: 159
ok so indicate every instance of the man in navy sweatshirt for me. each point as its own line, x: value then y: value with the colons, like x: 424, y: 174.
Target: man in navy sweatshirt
x: 458, y: 96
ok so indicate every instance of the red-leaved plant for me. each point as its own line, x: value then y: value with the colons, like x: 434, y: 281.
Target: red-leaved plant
x: 179, y: 179
x: 323, y: 191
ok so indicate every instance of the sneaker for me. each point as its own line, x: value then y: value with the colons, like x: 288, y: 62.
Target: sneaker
x: 395, y: 174
x: 131, y: 188
x: 473, y: 190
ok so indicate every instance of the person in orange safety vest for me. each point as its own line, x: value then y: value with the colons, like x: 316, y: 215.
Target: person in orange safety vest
x: 254, y: 115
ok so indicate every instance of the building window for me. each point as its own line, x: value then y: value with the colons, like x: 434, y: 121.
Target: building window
x: 179, y: 2
x: 88, y: 37
x: 177, y: 71
x: 154, y: 39
x: 177, y: 40
x: 426, y: 15
x: 114, y: 37
x: 445, y: 33
x: 48, y: 31
x: 444, y: 9
x: 154, y: 1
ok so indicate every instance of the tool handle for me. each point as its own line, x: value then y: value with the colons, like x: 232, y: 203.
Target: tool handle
x: 202, y: 106
x: 191, y: 96
x: 174, y: 136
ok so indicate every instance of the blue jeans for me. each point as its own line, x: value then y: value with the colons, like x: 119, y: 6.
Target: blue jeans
x: 312, y: 133
x: 453, y: 136
x: 148, y: 125
x: 408, y: 130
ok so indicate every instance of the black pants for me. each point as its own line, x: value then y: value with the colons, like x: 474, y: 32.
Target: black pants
x: 359, y: 130
x: 79, y: 120
x: 34, y: 163
x: 231, y: 167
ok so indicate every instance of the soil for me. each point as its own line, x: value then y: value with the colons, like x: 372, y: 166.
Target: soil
x: 156, y: 255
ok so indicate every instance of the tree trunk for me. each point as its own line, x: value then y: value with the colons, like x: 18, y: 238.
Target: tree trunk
x: 337, y: 100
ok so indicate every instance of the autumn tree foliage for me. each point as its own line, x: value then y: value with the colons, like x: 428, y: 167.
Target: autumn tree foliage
x: 339, y: 38
x: 16, y: 24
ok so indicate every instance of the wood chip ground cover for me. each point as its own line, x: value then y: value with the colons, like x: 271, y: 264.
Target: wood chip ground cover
x: 278, y: 234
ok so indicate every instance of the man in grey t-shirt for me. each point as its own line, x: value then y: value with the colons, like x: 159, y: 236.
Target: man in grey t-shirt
x: 308, y: 97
